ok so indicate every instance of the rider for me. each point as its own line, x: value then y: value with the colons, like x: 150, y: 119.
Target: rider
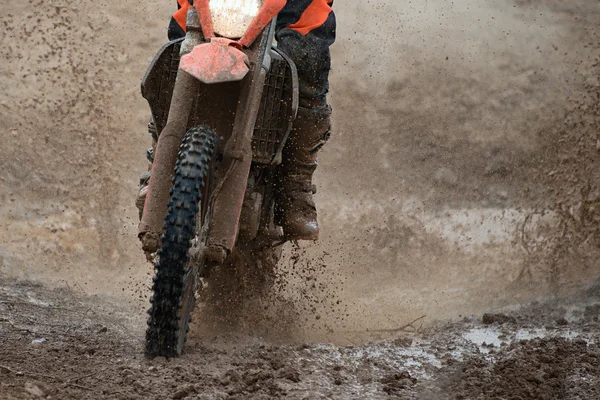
x: 305, y: 30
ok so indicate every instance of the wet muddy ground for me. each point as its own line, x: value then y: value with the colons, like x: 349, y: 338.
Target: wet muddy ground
x: 56, y: 344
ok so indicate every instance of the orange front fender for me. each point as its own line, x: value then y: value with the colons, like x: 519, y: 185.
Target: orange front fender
x: 216, y: 61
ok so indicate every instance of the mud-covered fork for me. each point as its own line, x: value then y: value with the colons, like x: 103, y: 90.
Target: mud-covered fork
x: 169, y: 140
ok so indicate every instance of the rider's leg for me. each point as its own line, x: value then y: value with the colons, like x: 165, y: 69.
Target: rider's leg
x: 305, y: 31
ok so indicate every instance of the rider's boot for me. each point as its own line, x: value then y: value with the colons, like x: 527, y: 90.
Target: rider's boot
x: 310, y: 131
x: 145, y: 177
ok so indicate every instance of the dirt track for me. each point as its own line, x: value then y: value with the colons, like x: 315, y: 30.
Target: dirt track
x: 461, y: 179
x: 58, y: 345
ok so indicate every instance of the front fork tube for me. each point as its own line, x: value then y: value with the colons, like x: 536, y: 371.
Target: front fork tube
x: 237, y: 159
x: 165, y: 157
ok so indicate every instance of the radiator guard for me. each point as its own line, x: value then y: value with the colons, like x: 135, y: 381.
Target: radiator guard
x: 277, y: 110
x: 215, y: 104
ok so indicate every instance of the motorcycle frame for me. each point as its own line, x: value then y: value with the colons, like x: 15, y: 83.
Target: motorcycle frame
x: 228, y: 195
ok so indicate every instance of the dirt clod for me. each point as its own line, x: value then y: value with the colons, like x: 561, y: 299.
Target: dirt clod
x: 395, y: 383
x: 184, y: 392
x: 500, y: 319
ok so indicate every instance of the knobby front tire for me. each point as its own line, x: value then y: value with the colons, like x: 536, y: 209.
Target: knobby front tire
x: 175, y: 281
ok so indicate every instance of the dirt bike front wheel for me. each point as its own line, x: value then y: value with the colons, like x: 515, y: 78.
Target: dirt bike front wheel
x: 176, y: 278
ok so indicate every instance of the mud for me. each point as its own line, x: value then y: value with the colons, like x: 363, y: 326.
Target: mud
x: 458, y: 200
x: 60, y: 344
x: 555, y: 368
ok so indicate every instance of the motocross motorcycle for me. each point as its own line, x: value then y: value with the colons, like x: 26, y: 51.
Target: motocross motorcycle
x: 223, y: 99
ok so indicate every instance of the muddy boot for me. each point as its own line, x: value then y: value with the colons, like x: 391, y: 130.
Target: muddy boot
x: 298, y: 212
x: 145, y: 177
